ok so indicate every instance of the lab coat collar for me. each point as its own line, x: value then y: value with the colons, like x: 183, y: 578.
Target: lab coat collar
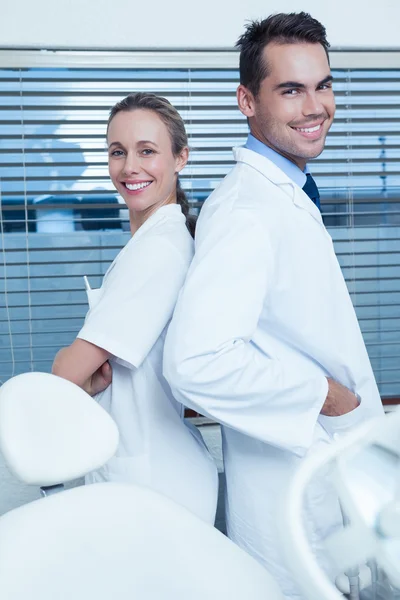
x: 269, y: 170
x: 169, y: 210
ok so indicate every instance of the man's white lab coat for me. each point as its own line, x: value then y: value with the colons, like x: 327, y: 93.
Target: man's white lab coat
x: 263, y: 318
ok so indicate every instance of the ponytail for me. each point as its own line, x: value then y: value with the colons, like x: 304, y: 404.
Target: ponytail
x: 182, y: 200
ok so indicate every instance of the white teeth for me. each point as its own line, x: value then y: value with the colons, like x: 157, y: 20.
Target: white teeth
x: 309, y: 129
x: 137, y: 186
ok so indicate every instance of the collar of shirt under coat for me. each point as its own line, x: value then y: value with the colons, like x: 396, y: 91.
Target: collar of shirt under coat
x: 277, y: 175
x: 287, y: 166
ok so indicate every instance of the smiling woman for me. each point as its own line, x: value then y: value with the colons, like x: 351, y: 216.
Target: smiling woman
x: 142, y: 163
x: 117, y: 355
x: 147, y: 148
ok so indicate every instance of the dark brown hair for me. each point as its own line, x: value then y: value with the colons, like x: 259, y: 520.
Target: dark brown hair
x: 281, y: 28
x: 176, y: 129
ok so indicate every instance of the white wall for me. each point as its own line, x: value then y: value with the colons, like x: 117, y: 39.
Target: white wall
x: 184, y: 23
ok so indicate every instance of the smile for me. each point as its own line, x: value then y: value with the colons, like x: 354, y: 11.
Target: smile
x: 308, y: 129
x: 137, y: 186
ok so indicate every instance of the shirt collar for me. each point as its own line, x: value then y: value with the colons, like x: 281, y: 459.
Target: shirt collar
x: 290, y: 169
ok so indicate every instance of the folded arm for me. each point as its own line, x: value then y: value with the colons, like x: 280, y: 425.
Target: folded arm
x: 85, y: 364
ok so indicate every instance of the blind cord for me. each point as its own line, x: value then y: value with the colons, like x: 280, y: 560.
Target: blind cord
x: 3, y: 247
x: 26, y: 223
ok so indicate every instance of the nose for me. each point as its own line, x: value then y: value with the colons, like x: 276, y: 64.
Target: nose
x: 131, y: 164
x: 312, y: 105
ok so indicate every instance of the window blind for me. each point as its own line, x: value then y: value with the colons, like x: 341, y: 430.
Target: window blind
x: 61, y: 218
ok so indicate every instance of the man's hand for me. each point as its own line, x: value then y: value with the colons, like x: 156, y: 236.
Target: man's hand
x: 339, y: 401
x: 99, y: 381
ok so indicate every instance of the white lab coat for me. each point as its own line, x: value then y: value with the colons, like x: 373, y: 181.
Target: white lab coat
x: 128, y: 317
x: 263, y: 318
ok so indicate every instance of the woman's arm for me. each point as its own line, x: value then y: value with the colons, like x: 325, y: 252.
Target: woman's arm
x: 85, y: 364
x: 138, y: 299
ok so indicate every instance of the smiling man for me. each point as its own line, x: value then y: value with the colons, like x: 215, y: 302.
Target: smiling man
x: 292, y: 108
x: 264, y: 337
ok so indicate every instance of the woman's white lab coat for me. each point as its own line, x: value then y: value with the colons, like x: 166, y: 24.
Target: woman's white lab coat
x: 128, y: 317
x: 264, y: 317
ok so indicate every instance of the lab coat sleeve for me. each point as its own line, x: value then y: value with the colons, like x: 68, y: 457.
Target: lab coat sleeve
x: 210, y: 360
x: 137, y: 301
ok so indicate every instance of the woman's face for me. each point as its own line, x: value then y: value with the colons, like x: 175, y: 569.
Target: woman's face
x: 141, y: 164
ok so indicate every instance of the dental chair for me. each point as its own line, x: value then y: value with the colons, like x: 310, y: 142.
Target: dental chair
x: 364, y: 467
x: 107, y: 540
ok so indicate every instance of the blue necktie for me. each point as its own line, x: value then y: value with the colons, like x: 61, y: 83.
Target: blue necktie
x: 310, y: 188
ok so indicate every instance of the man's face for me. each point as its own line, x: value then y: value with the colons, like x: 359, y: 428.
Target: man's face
x: 295, y: 106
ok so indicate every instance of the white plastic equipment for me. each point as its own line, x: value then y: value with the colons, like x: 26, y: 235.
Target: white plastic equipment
x: 106, y: 540
x: 51, y: 431
x: 365, y: 468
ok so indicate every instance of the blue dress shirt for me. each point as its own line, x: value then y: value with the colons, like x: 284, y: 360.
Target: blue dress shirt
x: 286, y: 165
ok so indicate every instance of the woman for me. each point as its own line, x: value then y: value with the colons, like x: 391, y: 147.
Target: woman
x: 128, y: 316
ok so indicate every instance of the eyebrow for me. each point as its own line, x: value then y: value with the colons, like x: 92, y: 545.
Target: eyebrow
x: 138, y: 143
x: 298, y: 85
x: 115, y: 144
x: 147, y: 142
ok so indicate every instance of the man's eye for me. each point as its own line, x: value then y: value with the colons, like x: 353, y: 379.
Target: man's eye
x: 291, y: 92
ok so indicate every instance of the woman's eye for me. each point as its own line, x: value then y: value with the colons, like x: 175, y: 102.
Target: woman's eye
x: 147, y: 151
x: 117, y: 153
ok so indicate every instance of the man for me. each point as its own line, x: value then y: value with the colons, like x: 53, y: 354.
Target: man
x: 264, y: 338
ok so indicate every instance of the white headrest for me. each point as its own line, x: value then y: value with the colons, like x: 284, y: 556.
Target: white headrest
x: 52, y: 431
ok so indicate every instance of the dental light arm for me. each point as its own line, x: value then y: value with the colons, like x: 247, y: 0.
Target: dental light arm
x: 364, y: 466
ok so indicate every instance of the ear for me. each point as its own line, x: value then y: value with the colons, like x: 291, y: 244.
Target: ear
x: 181, y: 160
x: 245, y: 100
